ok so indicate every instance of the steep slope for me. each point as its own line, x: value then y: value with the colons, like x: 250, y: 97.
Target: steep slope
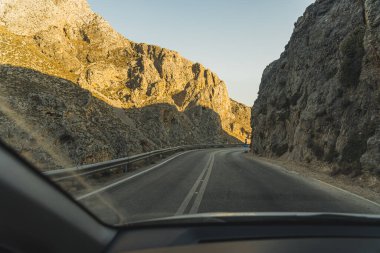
x: 122, y: 73
x: 74, y: 91
x: 55, y: 123
x: 321, y: 99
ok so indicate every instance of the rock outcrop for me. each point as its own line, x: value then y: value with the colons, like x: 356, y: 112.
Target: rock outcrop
x: 321, y: 99
x: 53, y: 53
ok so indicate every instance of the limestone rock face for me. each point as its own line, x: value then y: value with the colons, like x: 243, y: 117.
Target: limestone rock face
x: 27, y: 17
x: 147, y: 97
x: 54, y: 123
x: 321, y: 99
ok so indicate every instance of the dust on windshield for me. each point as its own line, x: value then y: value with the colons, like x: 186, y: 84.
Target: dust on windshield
x: 258, y: 108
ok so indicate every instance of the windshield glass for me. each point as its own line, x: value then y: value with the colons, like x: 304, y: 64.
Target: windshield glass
x: 155, y: 109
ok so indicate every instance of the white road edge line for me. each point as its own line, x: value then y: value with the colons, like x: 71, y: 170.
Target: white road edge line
x: 319, y: 181
x: 128, y: 178
x: 198, y: 199
x: 190, y: 194
x: 348, y: 192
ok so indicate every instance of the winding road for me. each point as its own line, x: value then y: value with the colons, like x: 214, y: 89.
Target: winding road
x: 221, y: 180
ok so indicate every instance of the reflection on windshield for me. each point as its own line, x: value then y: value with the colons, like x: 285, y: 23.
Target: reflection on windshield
x: 135, y: 132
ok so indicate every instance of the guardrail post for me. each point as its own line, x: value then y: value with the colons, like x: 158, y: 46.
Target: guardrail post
x: 125, y: 168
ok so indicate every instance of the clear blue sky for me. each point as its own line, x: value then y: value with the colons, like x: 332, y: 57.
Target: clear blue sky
x: 236, y: 39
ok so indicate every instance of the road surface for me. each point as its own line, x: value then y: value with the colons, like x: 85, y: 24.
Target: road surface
x: 221, y: 180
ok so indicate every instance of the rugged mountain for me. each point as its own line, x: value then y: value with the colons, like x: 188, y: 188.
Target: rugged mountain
x: 136, y: 97
x: 321, y: 99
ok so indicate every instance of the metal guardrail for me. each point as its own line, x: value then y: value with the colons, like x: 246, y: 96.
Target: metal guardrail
x: 62, y: 174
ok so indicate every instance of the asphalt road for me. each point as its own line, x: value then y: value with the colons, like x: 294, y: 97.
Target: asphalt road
x: 221, y: 180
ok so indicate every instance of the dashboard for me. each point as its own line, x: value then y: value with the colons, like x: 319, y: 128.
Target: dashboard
x: 295, y: 236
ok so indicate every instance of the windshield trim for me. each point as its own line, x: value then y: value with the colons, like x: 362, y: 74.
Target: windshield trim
x: 258, y: 217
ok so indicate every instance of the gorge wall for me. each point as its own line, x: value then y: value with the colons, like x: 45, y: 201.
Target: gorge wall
x: 321, y: 99
x: 74, y: 91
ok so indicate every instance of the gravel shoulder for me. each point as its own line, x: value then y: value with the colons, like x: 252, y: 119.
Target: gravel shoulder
x: 365, y: 185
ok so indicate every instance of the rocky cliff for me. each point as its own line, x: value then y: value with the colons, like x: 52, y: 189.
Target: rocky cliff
x: 321, y: 99
x: 74, y: 82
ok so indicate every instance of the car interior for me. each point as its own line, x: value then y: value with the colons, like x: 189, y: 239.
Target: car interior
x: 37, y: 216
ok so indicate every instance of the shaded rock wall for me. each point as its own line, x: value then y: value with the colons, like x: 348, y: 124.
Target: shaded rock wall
x: 321, y: 99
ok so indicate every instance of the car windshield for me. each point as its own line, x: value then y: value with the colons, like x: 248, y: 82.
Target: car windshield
x: 146, y: 110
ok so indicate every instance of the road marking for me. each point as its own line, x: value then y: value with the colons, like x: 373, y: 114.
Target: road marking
x: 198, y: 199
x: 317, y: 180
x: 348, y: 192
x: 128, y: 178
x: 190, y: 194
x: 199, y: 194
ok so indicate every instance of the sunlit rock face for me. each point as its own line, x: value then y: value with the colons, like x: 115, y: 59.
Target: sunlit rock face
x: 320, y: 100
x: 151, y: 97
